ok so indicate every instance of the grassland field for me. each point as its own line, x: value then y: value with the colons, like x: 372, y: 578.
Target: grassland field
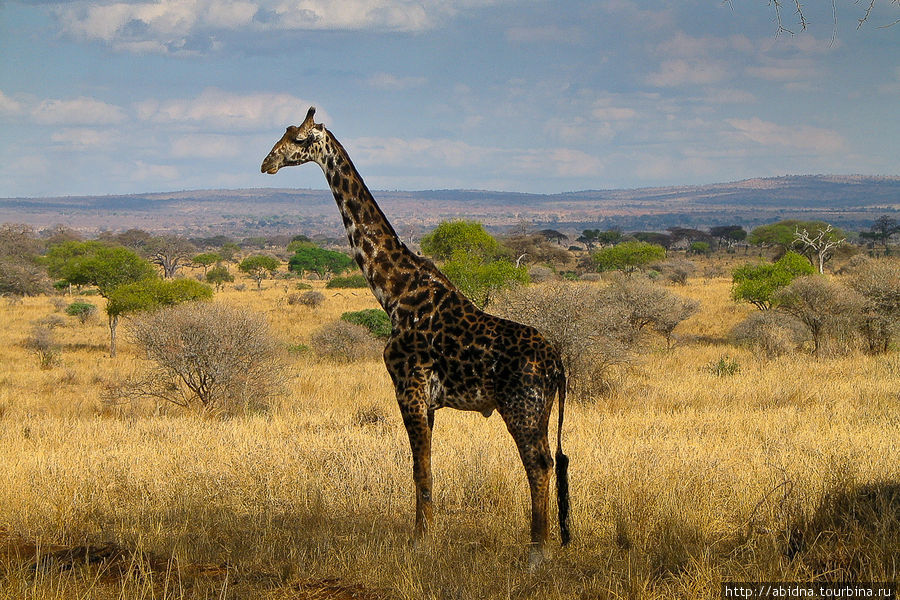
x: 786, y: 470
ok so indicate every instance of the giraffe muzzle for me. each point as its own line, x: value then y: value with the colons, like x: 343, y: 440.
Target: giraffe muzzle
x: 269, y: 167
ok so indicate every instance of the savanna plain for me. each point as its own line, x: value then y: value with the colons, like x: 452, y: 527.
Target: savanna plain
x: 683, y: 475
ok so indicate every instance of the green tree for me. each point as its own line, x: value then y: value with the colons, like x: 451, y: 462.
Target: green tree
x: 95, y: 263
x: 229, y: 251
x: 206, y: 260
x: 589, y: 237
x: 149, y: 294
x: 728, y: 235
x: 757, y: 284
x: 469, y: 237
x: 479, y: 279
x: 259, y: 266
x: 699, y: 248
x: 627, y: 256
x: 309, y: 257
x: 374, y: 319
x: 219, y: 275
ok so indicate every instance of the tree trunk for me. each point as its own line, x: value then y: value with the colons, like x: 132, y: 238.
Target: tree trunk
x: 113, y: 323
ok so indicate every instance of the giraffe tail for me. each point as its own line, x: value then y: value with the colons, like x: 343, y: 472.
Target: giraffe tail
x: 562, y: 468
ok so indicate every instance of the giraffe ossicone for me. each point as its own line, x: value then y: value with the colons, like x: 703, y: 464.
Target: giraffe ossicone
x: 443, y: 350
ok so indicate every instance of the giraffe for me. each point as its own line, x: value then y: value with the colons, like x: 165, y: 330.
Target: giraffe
x: 443, y: 350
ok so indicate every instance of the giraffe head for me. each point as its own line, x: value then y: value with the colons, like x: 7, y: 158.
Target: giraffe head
x: 299, y: 144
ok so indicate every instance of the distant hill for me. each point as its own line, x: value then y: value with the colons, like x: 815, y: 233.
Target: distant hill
x: 852, y: 202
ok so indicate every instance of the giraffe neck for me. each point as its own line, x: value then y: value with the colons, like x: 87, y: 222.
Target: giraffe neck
x: 385, y: 260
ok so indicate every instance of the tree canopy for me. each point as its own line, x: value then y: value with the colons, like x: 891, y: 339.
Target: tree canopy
x: 479, y: 279
x: 95, y: 263
x: 149, y: 294
x: 308, y: 257
x: 468, y: 237
x: 259, y: 266
x: 758, y: 284
x: 627, y: 256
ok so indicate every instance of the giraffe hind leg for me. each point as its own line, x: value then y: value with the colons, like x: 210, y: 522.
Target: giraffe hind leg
x: 530, y: 435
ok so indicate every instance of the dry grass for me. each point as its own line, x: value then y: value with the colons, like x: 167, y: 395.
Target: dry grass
x: 680, y: 479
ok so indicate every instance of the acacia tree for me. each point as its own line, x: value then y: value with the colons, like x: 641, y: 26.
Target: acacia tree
x: 882, y: 229
x: 259, y: 266
x: 149, y: 294
x: 628, y: 256
x: 309, y: 257
x: 455, y: 236
x: 206, y: 260
x: 219, y: 275
x: 480, y: 278
x: 757, y: 284
x: 94, y: 263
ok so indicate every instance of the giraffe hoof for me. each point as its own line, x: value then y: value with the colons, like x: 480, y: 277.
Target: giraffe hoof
x: 536, y: 556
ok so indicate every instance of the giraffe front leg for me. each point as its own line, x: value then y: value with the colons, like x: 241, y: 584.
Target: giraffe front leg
x: 418, y: 427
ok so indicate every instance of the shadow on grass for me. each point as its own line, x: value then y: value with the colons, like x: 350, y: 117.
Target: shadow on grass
x: 853, y: 535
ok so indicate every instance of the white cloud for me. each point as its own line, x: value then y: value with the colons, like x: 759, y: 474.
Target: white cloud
x: 142, y: 171
x: 81, y: 138
x: 80, y: 111
x: 801, y: 137
x: 567, y: 162
x: 613, y: 113
x: 730, y: 96
x: 8, y: 105
x: 71, y: 112
x: 680, y: 71
x: 391, y: 82
x: 205, y: 146
x: 190, y: 26
x: 417, y: 152
x: 782, y: 70
x: 645, y: 18
x: 221, y: 110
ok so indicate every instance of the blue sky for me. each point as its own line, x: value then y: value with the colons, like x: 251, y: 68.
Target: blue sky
x: 532, y: 96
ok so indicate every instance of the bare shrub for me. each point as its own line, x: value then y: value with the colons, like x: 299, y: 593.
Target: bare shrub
x: 770, y: 332
x: 591, y: 335
x: 311, y: 298
x: 22, y: 278
x: 647, y: 305
x: 830, y: 311
x: 344, y: 341
x: 540, y: 274
x: 209, y: 356
x: 676, y: 270
x: 591, y: 277
x: 58, y: 303
x: 878, y: 282
x: 42, y: 342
